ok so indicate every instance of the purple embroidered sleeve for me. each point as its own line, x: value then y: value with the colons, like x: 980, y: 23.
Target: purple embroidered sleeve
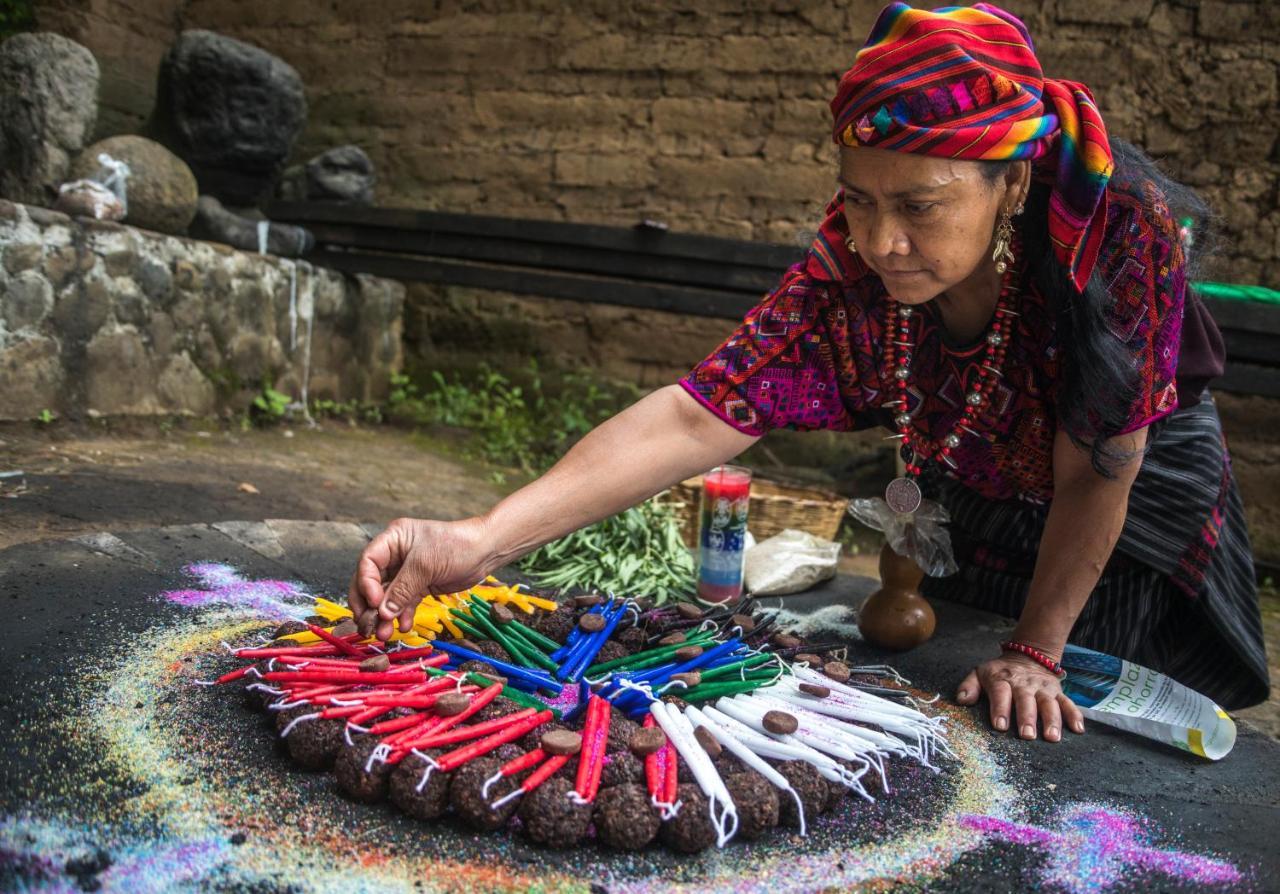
x: 777, y: 369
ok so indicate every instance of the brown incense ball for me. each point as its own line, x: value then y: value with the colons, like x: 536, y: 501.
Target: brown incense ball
x: 621, y: 729
x: 314, y: 744
x: 288, y: 628
x: 809, y: 785
x: 624, y: 818
x: 612, y: 650
x: 690, y: 831
x: 756, y: 801
x: 620, y: 768
x: 476, y: 666
x: 427, y: 804
x: 491, y: 649
x: 255, y: 697
x: 533, y: 739
x: 288, y: 715
x: 470, y: 804
x: 357, y: 783
x: 551, y: 818
x: 499, y: 707
x: 556, y: 625
x: 632, y: 639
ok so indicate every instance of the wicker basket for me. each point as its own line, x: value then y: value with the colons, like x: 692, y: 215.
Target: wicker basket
x: 774, y: 508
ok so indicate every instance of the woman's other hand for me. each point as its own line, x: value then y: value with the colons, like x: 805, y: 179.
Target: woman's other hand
x: 1016, y: 682
x: 414, y: 557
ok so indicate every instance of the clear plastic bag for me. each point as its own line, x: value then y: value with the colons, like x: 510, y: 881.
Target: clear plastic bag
x: 917, y: 535
x: 789, y: 562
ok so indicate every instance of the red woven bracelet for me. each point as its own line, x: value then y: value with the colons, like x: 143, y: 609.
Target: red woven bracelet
x: 1035, y: 655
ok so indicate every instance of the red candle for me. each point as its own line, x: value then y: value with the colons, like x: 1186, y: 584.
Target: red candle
x: 336, y: 641
x: 459, y: 756
x: 462, y: 734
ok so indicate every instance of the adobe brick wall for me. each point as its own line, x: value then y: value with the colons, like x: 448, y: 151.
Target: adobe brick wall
x: 695, y: 112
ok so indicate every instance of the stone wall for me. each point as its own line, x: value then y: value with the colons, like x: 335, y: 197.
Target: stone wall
x: 707, y: 114
x: 102, y: 319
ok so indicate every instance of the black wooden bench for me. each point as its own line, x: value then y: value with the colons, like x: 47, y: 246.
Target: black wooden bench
x: 643, y: 266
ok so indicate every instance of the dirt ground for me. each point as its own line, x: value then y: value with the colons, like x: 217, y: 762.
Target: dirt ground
x: 90, y: 477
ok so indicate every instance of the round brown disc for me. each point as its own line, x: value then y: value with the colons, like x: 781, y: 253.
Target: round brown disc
x: 689, y: 678
x: 376, y: 664
x: 837, y: 670
x: 688, y: 653
x: 810, y: 659
x: 368, y: 622
x: 587, y: 601
x: 786, y: 641
x: 561, y: 741
x: 466, y: 644
x: 493, y: 678
x: 689, y: 610
x: 815, y: 689
x: 451, y: 703
x: 591, y: 623
x: 746, y: 622
x: 346, y: 628
x: 780, y: 722
x: 647, y: 741
x: 708, y: 742
x: 671, y: 639
x: 502, y: 614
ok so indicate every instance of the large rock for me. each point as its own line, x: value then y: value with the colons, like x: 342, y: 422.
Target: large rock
x: 48, y: 106
x: 231, y: 111
x: 342, y: 174
x: 161, y: 190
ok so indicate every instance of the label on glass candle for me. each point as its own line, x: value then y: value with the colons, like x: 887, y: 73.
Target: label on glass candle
x: 726, y: 493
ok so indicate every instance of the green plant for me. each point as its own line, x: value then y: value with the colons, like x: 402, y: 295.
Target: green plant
x: 638, y: 552
x: 527, y: 422
x: 269, y: 405
x: 46, y: 416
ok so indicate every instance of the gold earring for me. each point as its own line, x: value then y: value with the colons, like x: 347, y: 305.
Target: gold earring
x: 1003, y: 255
x: 851, y: 245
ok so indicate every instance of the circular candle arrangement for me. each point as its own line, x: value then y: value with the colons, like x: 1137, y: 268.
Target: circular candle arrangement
x: 598, y: 718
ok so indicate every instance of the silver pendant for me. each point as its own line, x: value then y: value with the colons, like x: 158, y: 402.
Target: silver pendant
x: 903, y: 496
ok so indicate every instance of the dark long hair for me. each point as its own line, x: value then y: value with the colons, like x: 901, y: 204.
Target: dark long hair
x: 1100, y: 379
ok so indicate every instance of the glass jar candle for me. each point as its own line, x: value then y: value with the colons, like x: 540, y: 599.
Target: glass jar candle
x: 722, y: 532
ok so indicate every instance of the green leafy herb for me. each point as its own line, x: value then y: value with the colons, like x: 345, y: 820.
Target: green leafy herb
x: 634, y: 553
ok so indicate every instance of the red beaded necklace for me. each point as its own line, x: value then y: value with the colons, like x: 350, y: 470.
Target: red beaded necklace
x: 903, y: 494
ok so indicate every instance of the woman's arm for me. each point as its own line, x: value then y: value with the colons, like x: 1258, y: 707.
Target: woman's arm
x: 660, y: 440
x: 1084, y: 523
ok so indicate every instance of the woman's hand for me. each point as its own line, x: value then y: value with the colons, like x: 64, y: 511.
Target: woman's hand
x: 414, y: 557
x: 1035, y: 692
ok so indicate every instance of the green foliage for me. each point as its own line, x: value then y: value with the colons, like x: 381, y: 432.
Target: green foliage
x: 528, y: 423
x: 16, y: 16
x: 269, y: 405
x: 634, y: 553
x: 46, y: 416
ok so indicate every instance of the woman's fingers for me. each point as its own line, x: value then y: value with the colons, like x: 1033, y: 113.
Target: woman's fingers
x: 1025, y: 700
x: 376, y: 563
x: 969, y: 689
x: 1050, y: 715
x: 1071, y: 714
x: 999, y: 694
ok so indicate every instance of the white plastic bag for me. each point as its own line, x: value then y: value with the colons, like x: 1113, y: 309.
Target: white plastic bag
x: 789, y: 563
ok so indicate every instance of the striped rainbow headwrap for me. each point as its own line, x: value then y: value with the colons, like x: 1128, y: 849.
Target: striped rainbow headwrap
x: 964, y: 82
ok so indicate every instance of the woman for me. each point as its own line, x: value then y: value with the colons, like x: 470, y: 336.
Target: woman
x: 1004, y: 288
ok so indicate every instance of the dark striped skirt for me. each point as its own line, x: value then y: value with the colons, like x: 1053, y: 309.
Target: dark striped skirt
x: 1178, y: 595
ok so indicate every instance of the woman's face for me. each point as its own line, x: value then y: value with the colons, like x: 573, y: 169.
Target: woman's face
x: 924, y: 224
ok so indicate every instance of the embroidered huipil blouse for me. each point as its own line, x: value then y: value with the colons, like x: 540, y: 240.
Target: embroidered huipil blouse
x: 811, y: 354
